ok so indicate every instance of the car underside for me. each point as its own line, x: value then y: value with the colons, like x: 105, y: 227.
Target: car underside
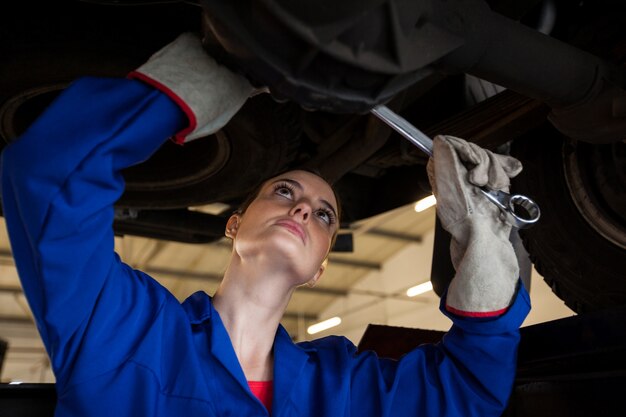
x: 541, y: 80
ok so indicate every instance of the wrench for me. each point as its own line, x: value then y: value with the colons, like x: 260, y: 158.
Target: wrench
x: 519, y: 211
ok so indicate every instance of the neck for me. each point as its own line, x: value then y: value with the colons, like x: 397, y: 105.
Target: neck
x: 251, y: 302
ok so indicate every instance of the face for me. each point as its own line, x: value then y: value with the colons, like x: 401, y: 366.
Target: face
x: 290, y: 223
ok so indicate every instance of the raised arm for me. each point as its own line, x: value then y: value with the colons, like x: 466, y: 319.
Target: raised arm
x: 59, y: 183
x: 471, y: 372
x: 476, y: 361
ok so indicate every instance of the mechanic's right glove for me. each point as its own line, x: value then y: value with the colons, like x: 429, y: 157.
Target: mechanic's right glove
x: 210, y: 94
x: 486, y: 266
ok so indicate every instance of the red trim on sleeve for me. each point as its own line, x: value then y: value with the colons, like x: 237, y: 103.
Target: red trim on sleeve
x: 264, y: 391
x: 179, y: 137
x: 476, y: 313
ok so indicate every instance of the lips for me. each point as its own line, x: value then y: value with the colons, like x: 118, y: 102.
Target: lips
x: 293, y: 227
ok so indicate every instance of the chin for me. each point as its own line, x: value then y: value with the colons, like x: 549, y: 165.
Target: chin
x: 284, y: 252
x: 293, y: 257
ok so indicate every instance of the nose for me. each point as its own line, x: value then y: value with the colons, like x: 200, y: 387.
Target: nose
x: 301, y: 209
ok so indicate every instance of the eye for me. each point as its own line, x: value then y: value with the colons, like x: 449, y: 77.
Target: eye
x: 326, y: 215
x: 284, y: 189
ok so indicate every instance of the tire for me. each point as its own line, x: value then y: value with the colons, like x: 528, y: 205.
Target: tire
x: 48, y: 47
x: 579, y: 244
x: 259, y: 142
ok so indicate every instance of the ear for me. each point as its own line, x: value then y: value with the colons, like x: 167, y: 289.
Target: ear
x: 318, y: 274
x: 232, y: 225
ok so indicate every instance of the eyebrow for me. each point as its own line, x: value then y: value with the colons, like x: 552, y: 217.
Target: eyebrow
x: 299, y: 186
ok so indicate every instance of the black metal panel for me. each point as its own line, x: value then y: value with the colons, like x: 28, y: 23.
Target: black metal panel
x: 27, y: 400
x: 593, y: 397
x: 442, y: 271
x: 4, y: 345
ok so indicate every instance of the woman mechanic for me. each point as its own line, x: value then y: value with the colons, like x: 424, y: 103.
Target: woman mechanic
x: 121, y: 345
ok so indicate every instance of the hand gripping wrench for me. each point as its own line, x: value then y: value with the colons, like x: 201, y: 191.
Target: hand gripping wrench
x: 519, y: 211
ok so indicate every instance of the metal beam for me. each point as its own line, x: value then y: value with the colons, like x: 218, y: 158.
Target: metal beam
x: 406, y: 237
x: 25, y: 320
x: 332, y: 259
x: 16, y: 320
x: 26, y: 350
x: 203, y: 276
x: 297, y: 316
x: 180, y: 273
x: 355, y: 263
x: 210, y: 277
x: 11, y: 290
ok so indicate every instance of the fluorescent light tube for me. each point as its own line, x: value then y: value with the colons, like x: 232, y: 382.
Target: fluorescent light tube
x: 419, y: 289
x: 324, y: 325
x: 425, y: 203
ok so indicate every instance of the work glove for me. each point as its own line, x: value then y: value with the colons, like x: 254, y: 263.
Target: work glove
x: 209, y: 93
x: 485, y: 262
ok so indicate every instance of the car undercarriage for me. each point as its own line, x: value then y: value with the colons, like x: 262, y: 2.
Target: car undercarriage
x: 541, y: 80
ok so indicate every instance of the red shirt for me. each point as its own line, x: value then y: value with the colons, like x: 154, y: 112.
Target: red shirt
x: 263, y: 390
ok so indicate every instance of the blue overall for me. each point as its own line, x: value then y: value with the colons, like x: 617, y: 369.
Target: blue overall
x: 121, y: 345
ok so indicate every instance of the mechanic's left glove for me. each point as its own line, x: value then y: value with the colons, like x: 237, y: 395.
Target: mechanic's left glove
x: 210, y: 94
x: 485, y: 262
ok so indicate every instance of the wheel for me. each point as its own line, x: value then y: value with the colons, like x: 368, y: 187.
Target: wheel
x: 579, y: 244
x: 45, y: 48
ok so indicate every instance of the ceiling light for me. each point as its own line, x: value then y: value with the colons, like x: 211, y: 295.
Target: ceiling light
x: 425, y: 203
x: 324, y: 325
x: 419, y: 289
x: 214, y: 208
